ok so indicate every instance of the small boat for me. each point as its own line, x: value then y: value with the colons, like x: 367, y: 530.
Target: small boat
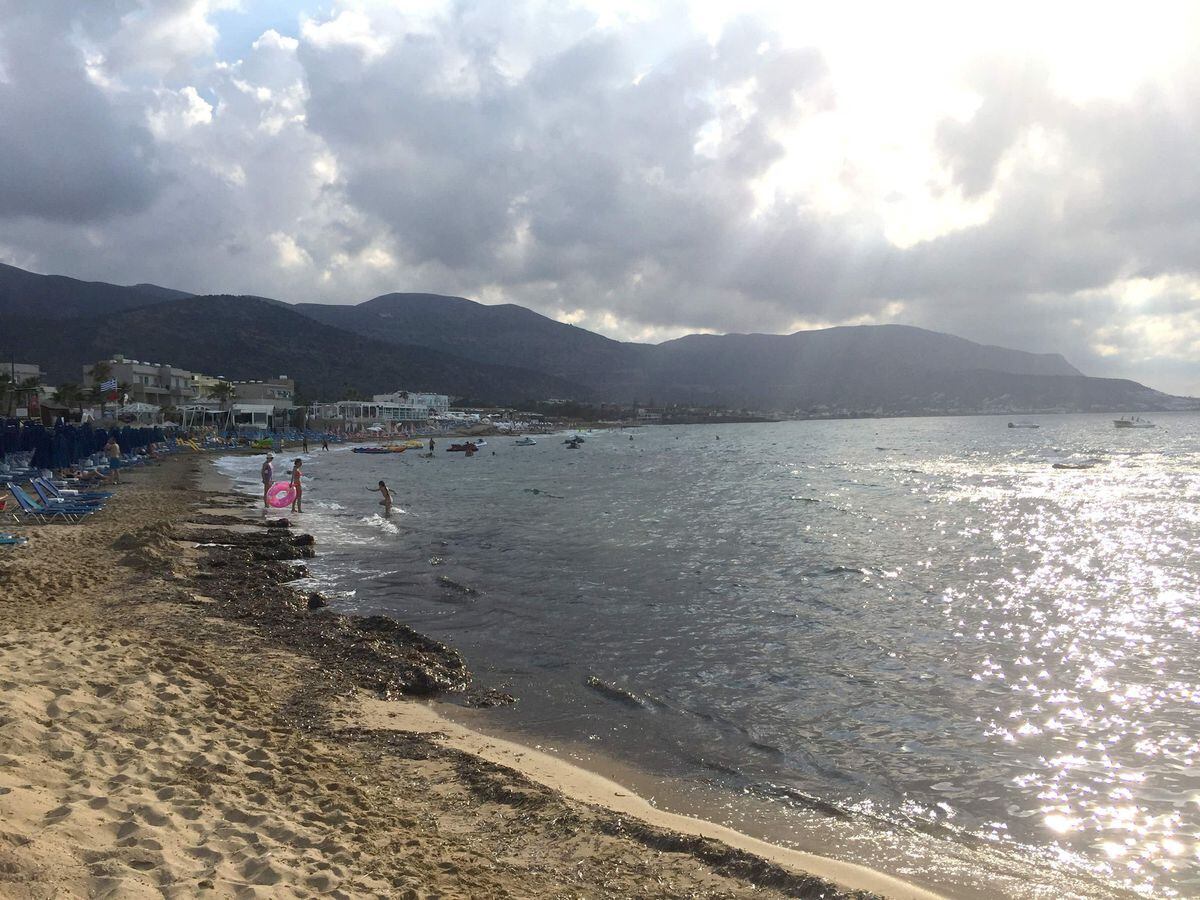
x: 471, y: 446
x: 1133, y: 422
x: 1024, y: 425
x: 574, y: 440
x: 524, y: 442
x: 379, y: 450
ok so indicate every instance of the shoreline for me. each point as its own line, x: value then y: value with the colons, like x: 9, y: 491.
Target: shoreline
x: 174, y: 721
x: 421, y: 716
x: 594, y: 788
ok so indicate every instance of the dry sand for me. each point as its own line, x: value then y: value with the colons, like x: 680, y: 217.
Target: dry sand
x: 158, y: 740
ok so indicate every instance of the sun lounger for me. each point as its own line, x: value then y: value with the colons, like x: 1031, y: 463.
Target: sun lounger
x: 29, y: 509
x: 61, y: 493
x: 52, y: 500
x: 11, y: 540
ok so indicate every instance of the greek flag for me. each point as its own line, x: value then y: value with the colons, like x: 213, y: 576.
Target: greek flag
x: 110, y: 385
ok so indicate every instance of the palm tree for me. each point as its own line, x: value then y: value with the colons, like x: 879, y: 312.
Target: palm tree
x: 224, y: 392
x: 70, y: 394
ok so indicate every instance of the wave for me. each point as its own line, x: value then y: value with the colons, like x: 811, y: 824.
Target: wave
x: 773, y: 791
x: 377, y: 521
x: 618, y: 694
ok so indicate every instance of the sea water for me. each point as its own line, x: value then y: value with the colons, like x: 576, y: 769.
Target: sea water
x: 910, y: 643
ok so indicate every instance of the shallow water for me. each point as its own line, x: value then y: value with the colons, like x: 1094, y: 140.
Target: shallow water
x: 883, y: 637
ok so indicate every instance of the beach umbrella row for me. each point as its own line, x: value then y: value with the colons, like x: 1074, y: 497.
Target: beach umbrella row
x: 59, y: 446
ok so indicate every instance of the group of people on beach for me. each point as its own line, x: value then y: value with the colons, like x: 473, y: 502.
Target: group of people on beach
x: 296, y: 476
x: 295, y: 479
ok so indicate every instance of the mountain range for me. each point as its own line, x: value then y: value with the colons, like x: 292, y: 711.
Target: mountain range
x: 508, y: 354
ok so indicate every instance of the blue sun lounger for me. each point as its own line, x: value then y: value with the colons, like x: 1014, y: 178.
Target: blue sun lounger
x: 50, y: 499
x: 70, y: 493
x: 11, y: 540
x: 43, y: 514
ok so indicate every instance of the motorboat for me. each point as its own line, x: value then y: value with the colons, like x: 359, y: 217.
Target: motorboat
x: 471, y: 446
x: 1024, y: 425
x: 524, y: 442
x: 1133, y: 422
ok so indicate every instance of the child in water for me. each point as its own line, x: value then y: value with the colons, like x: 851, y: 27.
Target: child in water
x: 297, y: 505
x: 386, y: 502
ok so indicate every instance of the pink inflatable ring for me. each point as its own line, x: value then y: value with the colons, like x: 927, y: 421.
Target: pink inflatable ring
x: 281, y: 494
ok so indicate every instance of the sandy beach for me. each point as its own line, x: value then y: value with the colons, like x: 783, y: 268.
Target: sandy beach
x: 175, y: 721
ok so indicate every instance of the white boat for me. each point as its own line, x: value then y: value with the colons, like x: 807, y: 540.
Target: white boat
x: 1133, y: 422
x: 1024, y: 425
x: 524, y: 442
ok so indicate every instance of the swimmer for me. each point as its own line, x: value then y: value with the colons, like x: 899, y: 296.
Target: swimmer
x: 386, y: 502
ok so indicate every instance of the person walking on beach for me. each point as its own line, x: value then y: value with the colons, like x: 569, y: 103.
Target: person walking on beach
x: 386, y: 502
x: 113, y: 451
x: 304, y: 449
x: 297, y: 486
x: 268, y: 474
x: 431, y: 446
x: 324, y: 443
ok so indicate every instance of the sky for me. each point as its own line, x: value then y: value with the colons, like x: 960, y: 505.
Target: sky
x: 1018, y: 174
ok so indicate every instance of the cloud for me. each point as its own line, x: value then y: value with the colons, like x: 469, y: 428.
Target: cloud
x: 69, y: 152
x: 624, y: 168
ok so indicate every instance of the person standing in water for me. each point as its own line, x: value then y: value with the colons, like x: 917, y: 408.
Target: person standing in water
x: 431, y: 445
x: 324, y: 443
x: 268, y: 473
x: 297, y: 486
x: 386, y: 502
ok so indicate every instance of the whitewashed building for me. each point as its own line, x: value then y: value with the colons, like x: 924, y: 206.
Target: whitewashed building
x: 388, y: 410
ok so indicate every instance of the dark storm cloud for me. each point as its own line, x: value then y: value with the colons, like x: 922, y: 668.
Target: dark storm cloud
x: 67, y: 152
x: 585, y: 164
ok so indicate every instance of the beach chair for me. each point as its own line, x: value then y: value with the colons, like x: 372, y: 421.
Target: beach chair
x: 11, y: 540
x: 29, y: 509
x: 53, y: 504
x: 61, y: 493
x: 50, y: 499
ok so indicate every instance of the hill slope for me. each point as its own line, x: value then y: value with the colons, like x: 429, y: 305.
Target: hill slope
x: 246, y: 337
x: 58, y: 297
x: 507, y: 353
x: 504, y: 334
x: 839, y: 368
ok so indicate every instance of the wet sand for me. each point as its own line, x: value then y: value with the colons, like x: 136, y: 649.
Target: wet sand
x: 175, y: 721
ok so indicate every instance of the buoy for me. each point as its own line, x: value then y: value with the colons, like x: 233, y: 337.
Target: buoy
x: 281, y: 494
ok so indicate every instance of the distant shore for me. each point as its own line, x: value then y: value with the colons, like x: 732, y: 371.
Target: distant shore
x: 176, y: 721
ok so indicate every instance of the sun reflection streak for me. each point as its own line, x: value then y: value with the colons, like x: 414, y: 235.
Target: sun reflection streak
x: 1094, y: 601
